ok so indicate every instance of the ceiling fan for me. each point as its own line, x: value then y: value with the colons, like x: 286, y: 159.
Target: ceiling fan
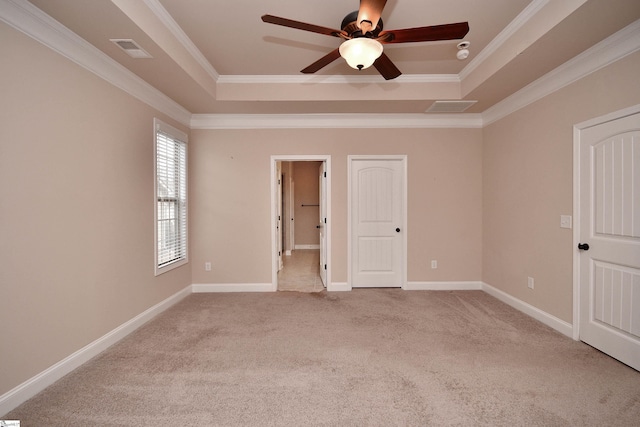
x: 364, y: 36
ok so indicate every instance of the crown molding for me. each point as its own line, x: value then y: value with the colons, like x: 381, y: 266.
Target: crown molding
x: 621, y: 44
x: 614, y: 48
x: 25, y: 17
x: 167, y: 20
x: 334, y: 121
x: 504, y: 36
x: 336, y: 79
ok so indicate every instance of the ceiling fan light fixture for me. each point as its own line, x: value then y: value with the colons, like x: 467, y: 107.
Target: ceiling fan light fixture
x: 360, y: 52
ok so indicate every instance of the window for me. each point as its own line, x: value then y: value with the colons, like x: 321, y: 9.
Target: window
x: 170, y: 197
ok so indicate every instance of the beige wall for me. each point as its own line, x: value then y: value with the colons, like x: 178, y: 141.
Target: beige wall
x: 307, y: 192
x: 230, y: 210
x: 528, y: 184
x: 76, y: 202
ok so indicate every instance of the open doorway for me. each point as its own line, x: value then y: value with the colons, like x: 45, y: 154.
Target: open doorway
x: 300, y: 201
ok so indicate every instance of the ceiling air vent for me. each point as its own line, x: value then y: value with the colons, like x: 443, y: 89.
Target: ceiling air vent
x: 449, y: 106
x: 131, y: 48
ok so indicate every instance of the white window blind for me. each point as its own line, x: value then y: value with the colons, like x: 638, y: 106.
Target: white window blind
x: 171, y: 200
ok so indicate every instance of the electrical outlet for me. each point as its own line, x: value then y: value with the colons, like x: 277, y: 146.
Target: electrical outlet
x: 530, y: 282
x: 207, y: 266
x: 434, y: 263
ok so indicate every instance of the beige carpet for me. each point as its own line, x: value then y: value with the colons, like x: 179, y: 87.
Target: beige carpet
x: 368, y: 357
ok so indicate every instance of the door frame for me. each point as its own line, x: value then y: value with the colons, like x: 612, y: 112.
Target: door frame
x: 274, y: 209
x: 322, y: 215
x: 577, y: 140
x: 279, y: 216
x: 403, y: 226
x: 292, y: 215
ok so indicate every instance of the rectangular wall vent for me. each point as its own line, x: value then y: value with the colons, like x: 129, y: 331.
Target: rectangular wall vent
x: 131, y: 48
x: 449, y: 106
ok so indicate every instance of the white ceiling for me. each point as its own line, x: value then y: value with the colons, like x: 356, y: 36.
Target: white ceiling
x: 218, y: 57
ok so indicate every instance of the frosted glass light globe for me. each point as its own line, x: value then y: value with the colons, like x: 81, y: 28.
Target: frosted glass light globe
x: 361, y: 52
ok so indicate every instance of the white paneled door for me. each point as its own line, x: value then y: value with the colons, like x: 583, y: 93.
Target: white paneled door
x: 377, y: 212
x: 609, y: 260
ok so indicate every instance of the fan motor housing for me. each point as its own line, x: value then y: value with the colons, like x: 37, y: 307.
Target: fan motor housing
x: 350, y: 26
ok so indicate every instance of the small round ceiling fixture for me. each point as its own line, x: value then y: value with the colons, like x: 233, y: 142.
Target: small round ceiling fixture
x: 463, y: 50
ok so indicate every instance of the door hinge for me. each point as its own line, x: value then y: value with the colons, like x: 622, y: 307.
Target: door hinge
x: 325, y: 174
x: 325, y: 266
x: 325, y: 220
x: 279, y: 253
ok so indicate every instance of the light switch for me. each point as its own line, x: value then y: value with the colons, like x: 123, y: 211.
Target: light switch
x: 565, y: 221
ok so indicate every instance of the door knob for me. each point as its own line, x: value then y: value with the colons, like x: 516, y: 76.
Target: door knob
x: 397, y: 230
x: 583, y: 246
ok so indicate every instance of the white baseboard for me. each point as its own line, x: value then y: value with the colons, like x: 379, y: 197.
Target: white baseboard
x: 25, y: 391
x: 541, y: 316
x: 307, y: 247
x: 203, y: 288
x: 287, y: 253
x: 338, y: 287
x: 443, y: 286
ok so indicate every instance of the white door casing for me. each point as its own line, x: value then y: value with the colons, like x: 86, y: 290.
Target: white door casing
x: 377, y: 220
x: 608, y: 211
x: 292, y: 215
x: 274, y: 213
x: 279, y: 214
x: 322, y: 227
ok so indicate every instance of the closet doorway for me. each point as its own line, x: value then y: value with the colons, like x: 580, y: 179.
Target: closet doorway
x: 300, y: 218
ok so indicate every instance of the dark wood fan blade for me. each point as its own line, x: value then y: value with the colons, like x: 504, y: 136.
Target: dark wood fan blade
x: 270, y: 19
x: 322, y: 62
x: 425, y: 34
x: 386, y: 68
x: 370, y: 10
